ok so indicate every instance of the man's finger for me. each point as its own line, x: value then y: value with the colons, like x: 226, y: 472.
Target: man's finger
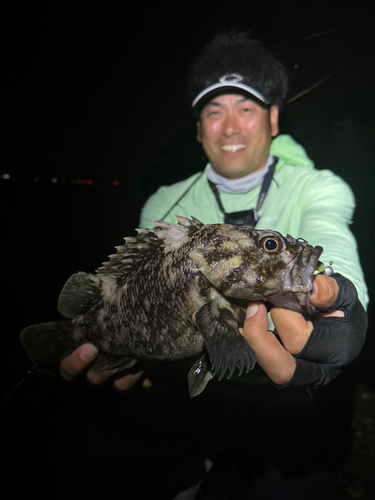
x: 78, y: 361
x: 98, y: 378
x: 325, y: 292
x: 278, y: 364
x: 127, y: 381
x: 292, y: 328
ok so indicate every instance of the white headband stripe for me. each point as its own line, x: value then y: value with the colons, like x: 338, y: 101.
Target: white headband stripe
x: 241, y: 86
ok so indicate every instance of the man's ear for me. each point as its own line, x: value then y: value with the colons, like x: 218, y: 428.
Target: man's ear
x: 199, y: 132
x: 274, y: 120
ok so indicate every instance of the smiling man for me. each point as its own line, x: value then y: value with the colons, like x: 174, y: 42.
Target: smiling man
x: 236, y: 134
x: 258, y: 178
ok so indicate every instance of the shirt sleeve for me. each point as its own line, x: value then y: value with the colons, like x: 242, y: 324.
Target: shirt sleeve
x: 328, y: 206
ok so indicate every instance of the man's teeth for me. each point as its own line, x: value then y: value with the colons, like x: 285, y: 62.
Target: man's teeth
x: 232, y: 148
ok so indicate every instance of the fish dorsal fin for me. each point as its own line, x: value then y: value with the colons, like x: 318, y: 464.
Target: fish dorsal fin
x: 149, y: 242
x: 79, y: 294
x: 176, y: 235
x: 83, y: 290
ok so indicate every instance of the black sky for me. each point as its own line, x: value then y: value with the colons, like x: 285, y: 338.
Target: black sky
x: 98, y: 88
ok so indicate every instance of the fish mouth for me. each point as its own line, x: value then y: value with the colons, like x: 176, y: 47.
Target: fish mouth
x: 298, y: 281
x: 302, y: 276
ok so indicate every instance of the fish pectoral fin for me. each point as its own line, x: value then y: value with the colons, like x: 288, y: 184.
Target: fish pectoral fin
x: 111, y: 362
x: 226, y: 347
x: 79, y: 294
x: 198, y: 377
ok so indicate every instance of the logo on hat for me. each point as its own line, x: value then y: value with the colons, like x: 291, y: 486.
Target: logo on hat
x: 231, y: 78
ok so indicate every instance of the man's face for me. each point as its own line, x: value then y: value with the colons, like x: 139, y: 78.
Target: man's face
x: 236, y: 134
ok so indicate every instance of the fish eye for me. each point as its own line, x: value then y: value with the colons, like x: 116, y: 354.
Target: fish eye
x: 270, y: 245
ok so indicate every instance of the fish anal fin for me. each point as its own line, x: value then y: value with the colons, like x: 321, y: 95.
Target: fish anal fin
x: 198, y: 377
x: 227, y: 348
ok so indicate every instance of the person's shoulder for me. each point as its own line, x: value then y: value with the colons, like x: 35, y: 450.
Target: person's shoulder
x: 303, y: 174
x: 295, y: 166
x: 317, y: 185
x: 158, y: 204
x: 173, y: 189
x: 180, y: 185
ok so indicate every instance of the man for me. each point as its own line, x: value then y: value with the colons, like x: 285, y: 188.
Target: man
x: 261, y: 447
x: 258, y: 178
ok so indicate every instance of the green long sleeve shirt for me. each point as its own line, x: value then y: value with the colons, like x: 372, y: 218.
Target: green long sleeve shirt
x: 316, y: 205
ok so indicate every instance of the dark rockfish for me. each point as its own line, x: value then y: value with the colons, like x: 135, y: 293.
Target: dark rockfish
x: 177, y: 291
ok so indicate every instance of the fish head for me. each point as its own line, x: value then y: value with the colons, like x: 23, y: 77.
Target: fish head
x: 249, y: 264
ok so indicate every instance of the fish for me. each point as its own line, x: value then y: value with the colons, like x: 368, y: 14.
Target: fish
x: 178, y: 291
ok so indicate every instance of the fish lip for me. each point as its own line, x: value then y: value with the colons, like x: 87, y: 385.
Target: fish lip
x: 304, y: 268
x: 302, y: 277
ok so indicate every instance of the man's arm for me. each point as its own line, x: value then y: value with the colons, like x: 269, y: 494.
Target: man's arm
x: 327, y: 208
x: 315, y: 351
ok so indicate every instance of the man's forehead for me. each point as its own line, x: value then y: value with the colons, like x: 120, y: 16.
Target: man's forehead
x: 222, y: 98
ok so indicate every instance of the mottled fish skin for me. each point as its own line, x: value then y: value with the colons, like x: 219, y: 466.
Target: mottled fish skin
x: 143, y: 315
x: 141, y: 304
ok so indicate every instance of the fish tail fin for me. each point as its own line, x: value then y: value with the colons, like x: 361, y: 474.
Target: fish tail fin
x: 48, y: 342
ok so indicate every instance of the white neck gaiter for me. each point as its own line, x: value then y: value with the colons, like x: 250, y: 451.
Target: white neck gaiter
x: 241, y: 185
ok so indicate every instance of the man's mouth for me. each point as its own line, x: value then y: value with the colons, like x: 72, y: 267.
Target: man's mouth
x: 232, y: 148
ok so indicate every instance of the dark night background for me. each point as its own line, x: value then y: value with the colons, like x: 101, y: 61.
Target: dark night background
x: 96, y: 91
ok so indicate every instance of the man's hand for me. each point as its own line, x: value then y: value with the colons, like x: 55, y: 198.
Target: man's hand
x: 292, y: 328
x: 81, y: 360
x: 319, y: 355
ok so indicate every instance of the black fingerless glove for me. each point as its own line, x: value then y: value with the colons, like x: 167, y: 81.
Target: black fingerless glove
x: 334, y: 342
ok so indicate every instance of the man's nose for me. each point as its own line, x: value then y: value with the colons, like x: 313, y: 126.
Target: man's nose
x: 231, y: 125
